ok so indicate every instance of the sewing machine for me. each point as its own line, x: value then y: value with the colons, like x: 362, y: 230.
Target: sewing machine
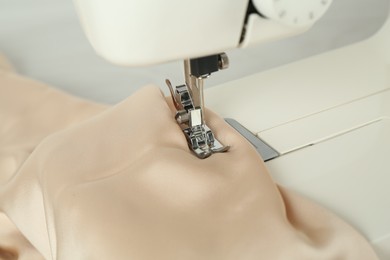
x: 132, y: 33
x: 324, y: 120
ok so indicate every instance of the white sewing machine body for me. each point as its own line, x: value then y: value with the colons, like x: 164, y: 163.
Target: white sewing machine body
x: 137, y: 33
x: 328, y: 116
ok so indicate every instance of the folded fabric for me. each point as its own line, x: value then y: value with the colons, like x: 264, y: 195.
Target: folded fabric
x: 82, y: 180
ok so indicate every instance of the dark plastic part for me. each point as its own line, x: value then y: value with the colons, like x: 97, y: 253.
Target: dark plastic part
x: 252, y: 10
x: 204, y: 66
x: 249, y: 11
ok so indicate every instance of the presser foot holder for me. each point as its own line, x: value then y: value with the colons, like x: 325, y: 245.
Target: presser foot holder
x: 200, y: 138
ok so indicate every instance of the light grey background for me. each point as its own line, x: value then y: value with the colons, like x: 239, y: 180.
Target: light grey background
x: 44, y: 40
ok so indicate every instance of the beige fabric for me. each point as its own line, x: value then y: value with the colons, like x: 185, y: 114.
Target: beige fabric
x: 82, y: 181
x: 5, y: 65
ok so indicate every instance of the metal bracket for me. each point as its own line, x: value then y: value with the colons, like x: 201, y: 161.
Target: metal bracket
x: 265, y: 150
x: 189, y: 103
x: 200, y: 138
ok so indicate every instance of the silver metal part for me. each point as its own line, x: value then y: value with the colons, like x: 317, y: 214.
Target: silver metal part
x: 223, y: 61
x: 189, y: 102
x: 266, y: 151
x: 199, y: 93
x: 199, y: 136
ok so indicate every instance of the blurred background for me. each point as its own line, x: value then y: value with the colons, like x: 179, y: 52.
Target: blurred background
x: 44, y: 40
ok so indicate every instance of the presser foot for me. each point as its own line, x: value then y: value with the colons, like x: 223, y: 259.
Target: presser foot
x: 202, y: 141
x: 200, y: 138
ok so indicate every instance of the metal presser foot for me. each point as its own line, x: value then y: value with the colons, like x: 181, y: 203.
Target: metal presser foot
x: 189, y: 102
